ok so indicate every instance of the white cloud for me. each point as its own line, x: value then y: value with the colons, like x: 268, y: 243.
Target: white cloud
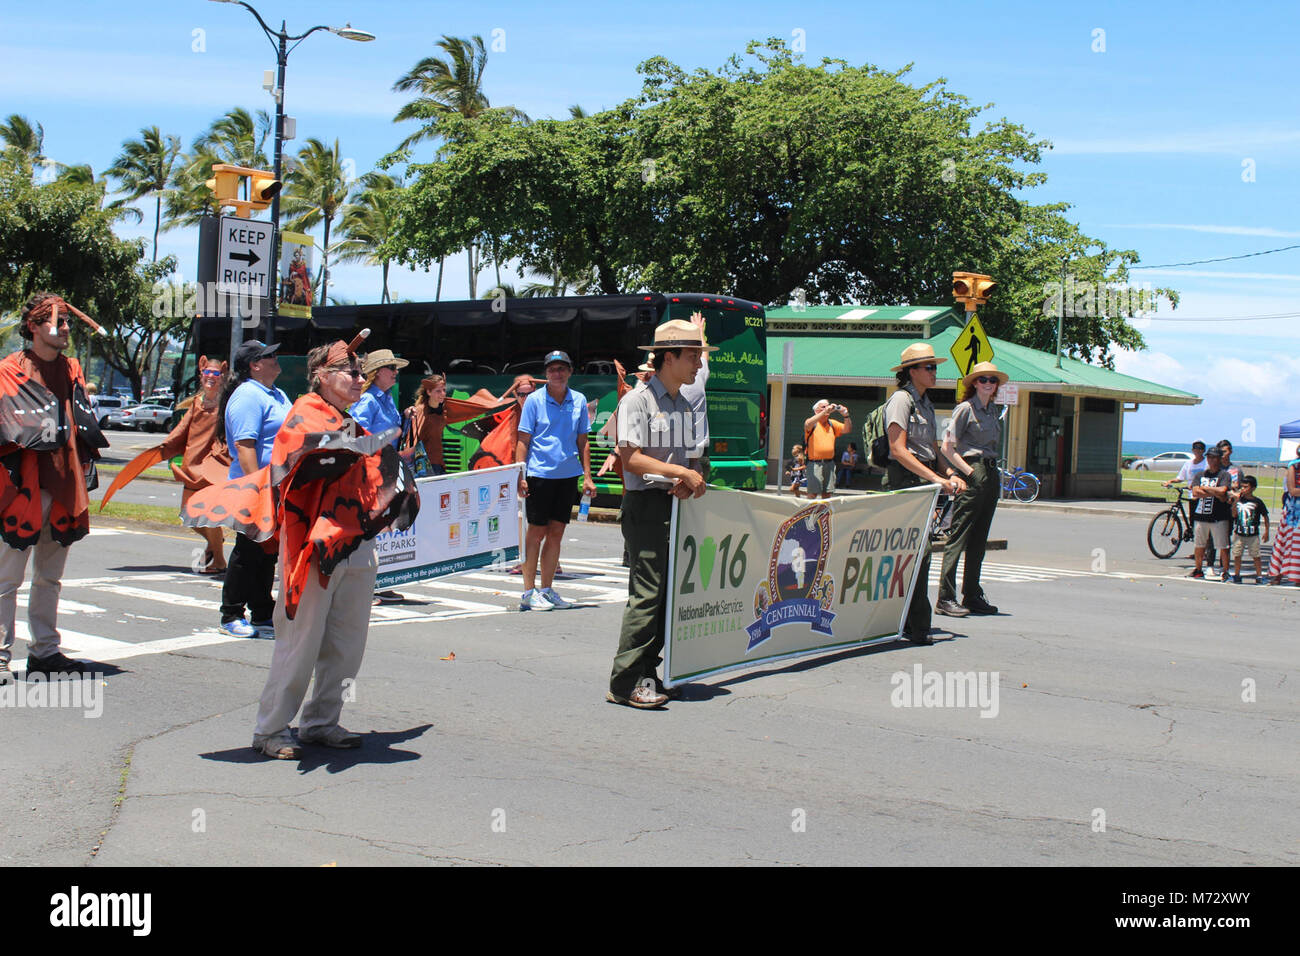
x: 1230, y: 142
x: 1158, y: 367
x: 1267, y: 231
x: 1267, y: 380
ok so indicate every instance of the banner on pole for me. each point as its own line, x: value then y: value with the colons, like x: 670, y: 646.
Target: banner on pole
x: 751, y: 583
x: 467, y: 520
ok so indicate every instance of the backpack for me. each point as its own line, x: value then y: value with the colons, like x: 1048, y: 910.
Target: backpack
x: 875, y: 437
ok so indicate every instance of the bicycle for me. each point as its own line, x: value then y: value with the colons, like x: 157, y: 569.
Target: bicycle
x: 1171, y: 527
x: 1020, y: 484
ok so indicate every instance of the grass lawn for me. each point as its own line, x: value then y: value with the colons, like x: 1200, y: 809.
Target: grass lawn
x: 1146, y: 484
x: 157, y: 471
x: 149, y: 514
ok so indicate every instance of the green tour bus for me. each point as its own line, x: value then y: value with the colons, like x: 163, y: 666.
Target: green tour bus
x: 486, y: 343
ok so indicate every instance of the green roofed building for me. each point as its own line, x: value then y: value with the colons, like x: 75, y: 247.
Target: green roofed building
x: 1066, y: 424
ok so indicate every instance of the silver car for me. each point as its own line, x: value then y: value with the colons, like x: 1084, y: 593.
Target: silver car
x: 148, y: 417
x: 1165, y: 461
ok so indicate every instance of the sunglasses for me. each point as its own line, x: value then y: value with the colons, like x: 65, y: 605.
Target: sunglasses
x: 211, y: 373
x: 927, y: 368
x: 389, y: 368
x: 987, y: 380
x: 354, y: 372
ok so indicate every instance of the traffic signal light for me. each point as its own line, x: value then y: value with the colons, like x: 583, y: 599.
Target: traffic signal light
x: 262, y: 187
x: 972, y: 288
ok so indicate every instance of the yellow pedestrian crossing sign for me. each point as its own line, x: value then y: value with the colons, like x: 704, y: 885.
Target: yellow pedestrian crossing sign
x: 972, y: 347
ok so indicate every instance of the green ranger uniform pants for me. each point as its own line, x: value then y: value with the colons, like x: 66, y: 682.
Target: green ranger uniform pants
x: 645, y: 519
x: 917, y: 622
x: 972, y: 516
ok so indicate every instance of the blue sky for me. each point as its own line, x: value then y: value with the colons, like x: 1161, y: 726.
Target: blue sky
x: 1176, y: 131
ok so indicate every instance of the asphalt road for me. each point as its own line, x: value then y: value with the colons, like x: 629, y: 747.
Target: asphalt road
x: 1120, y: 700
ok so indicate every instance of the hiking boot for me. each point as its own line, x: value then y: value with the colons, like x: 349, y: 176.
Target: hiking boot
x: 950, y: 608
x: 978, y: 605
x: 55, y: 663
x: 643, y: 697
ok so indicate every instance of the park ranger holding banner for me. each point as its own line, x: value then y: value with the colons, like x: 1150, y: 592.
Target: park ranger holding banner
x: 656, y: 426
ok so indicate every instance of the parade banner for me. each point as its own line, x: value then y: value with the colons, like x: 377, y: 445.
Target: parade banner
x: 467, y: 520
x: 751, y: 583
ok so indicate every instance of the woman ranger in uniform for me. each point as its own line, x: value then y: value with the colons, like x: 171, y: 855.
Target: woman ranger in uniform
x: 914, y: 455
x: 971, y: 444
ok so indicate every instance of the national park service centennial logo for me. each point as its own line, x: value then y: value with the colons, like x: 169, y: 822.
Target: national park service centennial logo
x: 797, y: 588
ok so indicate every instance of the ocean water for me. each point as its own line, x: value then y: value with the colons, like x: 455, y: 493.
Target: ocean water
x: 1241, y: 454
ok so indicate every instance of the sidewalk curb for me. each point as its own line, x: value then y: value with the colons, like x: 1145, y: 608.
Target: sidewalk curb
x: 1081, y: 509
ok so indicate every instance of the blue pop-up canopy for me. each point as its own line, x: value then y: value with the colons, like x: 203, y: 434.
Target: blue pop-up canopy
x: 1290, y: 430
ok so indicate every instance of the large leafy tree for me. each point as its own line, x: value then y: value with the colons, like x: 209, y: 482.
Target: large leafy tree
x: 315, y: 191
x: 59, y: 237
x: 766, y: 176
x: 145, y: 166
x: 368, y: 223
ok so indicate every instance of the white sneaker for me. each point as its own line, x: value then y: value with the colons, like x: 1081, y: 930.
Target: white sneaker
x: 556, y: 600
x: 534, y: 600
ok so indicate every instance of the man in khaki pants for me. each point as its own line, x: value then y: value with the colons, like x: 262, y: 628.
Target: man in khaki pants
x: 48, y: 436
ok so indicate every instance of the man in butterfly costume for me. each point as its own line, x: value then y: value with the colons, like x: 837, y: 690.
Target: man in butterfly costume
x: 330, y: 488
x: 49, y: 439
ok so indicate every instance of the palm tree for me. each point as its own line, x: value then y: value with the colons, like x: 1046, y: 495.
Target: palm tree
x: 23, y: 137
x: 237, y: 138
x: 314, y: 192
x: 188, y: 197
x: 368, y: 221
x: 145, y: 166
x: 450, y: 87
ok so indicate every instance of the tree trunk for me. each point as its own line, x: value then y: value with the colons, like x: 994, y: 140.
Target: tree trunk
x: 325, y: 263
x: 157, y: 224
x: 437, y: 295
x: 385, y: 299
x: 473, y: 274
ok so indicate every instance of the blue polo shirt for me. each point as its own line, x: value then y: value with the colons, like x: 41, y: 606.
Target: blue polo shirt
x: 376, y: 412
x: 257, y: 412
x: 554, y: 427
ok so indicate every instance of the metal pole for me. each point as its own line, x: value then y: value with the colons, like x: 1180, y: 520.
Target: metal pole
x: 282, y: 57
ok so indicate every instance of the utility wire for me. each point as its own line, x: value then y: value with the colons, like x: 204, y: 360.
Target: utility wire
x: 1200, y: 262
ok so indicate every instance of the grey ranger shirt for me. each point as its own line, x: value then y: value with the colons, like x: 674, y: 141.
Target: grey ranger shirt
x: 919, y: 424
x: 661, y: 426
x: 975, y: 430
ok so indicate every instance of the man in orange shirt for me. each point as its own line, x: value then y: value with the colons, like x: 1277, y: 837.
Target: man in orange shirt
x: 819, y: 445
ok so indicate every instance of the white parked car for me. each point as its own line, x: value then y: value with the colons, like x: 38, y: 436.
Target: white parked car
x: 1165, y: 461
x: 149, y: 417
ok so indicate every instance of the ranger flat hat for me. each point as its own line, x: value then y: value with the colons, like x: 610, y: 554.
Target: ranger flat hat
x: 984, y: 368
x: 918, y: 353
x: 678, y: 334
x: 646, y: 366
x: 382, y: 358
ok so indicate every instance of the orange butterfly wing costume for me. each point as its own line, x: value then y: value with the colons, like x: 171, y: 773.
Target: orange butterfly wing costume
x: 32, y: 423
x: 327, y: 489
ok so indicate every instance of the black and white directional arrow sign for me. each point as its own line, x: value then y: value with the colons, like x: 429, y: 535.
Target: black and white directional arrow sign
x: 244, y: 257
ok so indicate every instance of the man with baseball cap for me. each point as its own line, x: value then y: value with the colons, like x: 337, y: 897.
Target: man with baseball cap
x: 252, y: 411
x: 1211, y: 511
x: 552, y: 440
x: 656, y: 427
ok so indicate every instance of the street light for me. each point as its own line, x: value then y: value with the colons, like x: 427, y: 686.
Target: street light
x: 280, y: 40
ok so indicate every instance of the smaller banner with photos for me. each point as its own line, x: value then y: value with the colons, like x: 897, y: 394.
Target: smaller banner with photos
x: 467, y: 520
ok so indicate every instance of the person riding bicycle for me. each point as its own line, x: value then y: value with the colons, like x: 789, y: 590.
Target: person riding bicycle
x: 971, y: 444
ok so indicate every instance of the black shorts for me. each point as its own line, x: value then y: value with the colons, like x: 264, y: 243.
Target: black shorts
x: 550, y: 499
